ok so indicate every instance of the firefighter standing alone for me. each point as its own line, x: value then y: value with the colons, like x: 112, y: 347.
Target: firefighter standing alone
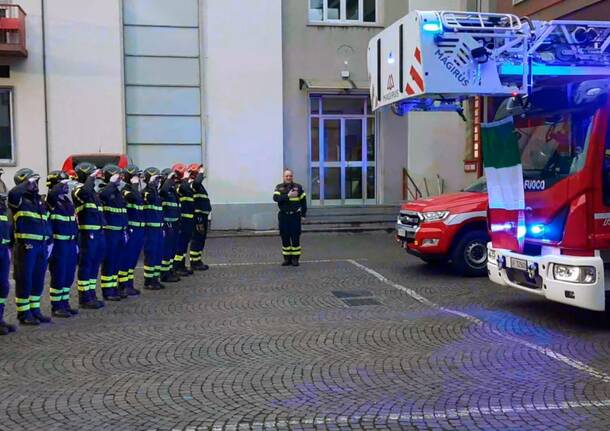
x: 292, y: 204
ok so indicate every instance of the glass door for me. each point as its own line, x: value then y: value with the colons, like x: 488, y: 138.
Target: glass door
x: 342, y: 162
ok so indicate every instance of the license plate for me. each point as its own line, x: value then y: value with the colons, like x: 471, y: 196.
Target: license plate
x: 518, y: 264
x: 402, y: 232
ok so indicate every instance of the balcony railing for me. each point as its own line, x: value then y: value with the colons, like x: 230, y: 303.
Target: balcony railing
x: 12, y: 31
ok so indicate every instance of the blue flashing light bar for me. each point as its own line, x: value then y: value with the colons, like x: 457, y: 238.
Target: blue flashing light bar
x: 433, y: 27
x: 550, y: 70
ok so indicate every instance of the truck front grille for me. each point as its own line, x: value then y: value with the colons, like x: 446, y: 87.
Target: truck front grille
x: 409, y: 218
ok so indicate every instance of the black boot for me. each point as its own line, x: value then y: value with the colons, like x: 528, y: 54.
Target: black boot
x: 170, y: 277
x: 72, y: 311
x: 123, y: 291
x: 295, y: 260
x: 3, y: 331
x: 149, y: 284
x: 110, y: 294
x: 199, y: 266
x: 41, y: 317
x: 132, y: 291
x: 287, y: 260
x: 61, y: 313
x: 27, y: 318
x: 89, y: 302
x: 7, y: 326
x: 158, y: 283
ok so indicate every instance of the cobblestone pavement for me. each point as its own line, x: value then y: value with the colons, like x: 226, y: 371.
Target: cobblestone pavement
x: 252, y: 345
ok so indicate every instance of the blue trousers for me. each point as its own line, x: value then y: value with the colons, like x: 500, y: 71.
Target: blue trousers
x: 30, y: 267
x: 198, y: 240
x: 5, y: 262
x: 184, y: 237
x: 170, y: 238
x: 153, y: 252
x: 115, y: 241
x: 130, y: 255
x: 62, y: 266
x: 92, y: 248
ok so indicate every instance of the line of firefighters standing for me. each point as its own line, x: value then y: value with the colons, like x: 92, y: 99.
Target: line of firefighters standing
x: 99, y: 218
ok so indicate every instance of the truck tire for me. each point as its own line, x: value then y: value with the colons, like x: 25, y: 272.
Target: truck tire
x: 469, y: 256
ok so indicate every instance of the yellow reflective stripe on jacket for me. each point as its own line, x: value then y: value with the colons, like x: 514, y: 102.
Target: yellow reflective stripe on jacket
x: 30, y: 214
x: 200, y: 196
x: 63, y: 237
x: 187, y: 215
x: 153, y: 207
x: 89, y: 227
x: 186, y: 199
x: 151, y: 224
x: 170, y: 204
x: 135, y: 207
x: 115, y: 210
x: 6, y: 241
x: 110, y: 227
x: 171, y: 219
x: 3, y: 218
x: 295, y: 199
x: 30, y: 236
x: 136, y: 223
x: 303, y: 195
x: 276, y: 193
x: 87, y: 206
x: 62, y: 217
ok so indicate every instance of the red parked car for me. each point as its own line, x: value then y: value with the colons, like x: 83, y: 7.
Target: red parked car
x: 98, y: 159
x: 448, y: 228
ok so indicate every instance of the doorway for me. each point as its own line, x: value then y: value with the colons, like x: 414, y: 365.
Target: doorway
x: 342, y: 151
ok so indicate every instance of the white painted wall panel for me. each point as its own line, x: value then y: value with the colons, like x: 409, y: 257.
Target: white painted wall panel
x: 160, y: 130
x: 161, y: 12
x: 161, y: 71
x: 163, y: 100
x: 243, y: 88
x: 163, y: 156
x: 162, y: 41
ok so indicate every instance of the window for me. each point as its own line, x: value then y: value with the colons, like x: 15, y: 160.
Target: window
x: 343, y: 11
x: 6, y: 126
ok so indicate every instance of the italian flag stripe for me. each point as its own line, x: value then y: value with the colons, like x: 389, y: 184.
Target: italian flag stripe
x: 502, y: 163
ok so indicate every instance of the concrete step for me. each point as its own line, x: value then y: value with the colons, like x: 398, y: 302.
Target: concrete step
x: 353, y: 210
x: 350, y: 218
x: 340, y: 227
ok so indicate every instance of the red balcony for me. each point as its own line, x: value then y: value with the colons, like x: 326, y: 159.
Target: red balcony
x: 12, y: 31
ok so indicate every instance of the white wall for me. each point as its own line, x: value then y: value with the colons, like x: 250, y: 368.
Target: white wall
x: 437, y: 141
x: 243, y: 94
x: 85, y: 77
x: 28, y: 110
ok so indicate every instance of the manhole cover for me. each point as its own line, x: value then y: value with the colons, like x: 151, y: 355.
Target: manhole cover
x: 358, y: 302
x: 351, y: 294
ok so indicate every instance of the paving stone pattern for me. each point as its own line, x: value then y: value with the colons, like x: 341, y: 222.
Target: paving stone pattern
x: 250, y: 345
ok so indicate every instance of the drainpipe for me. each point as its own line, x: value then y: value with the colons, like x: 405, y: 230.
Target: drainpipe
x: 44, y: 79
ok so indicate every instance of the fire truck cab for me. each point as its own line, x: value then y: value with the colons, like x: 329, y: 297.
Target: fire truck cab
x: 554, y: 81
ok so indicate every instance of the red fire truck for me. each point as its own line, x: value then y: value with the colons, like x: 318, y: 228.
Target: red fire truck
x: 554, y: 80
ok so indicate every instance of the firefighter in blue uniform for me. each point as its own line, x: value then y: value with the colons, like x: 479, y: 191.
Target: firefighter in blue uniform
x: 91, y: 240
x: 202, y: 210
x: 5, y: 261
x: 292, y: 205
x: 62, y: 263
x: 32, y: 242
x: 153, y: 242
x: 171, y: 218
x: 187, y: 215
x: 115, y: 230
x: 134, y: 201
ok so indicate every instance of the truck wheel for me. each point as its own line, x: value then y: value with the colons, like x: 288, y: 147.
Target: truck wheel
x: 469, y: 257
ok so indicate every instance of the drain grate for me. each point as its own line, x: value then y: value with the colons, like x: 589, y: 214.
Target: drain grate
x: 356, y: 298
x: 341, y: 294
x: 359, y: 302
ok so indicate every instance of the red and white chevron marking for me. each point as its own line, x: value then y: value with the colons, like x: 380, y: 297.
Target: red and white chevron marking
x: 415, y: 81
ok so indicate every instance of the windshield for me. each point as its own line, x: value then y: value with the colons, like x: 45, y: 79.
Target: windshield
x: 479, y: 186
x: 553, y: 145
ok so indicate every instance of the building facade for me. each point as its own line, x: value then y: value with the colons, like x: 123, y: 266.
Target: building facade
x: 246, y: 87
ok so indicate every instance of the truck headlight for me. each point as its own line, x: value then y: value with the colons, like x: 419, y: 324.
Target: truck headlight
x: 574, y: 274
x: 435, y: 215
x: 491, y: 255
